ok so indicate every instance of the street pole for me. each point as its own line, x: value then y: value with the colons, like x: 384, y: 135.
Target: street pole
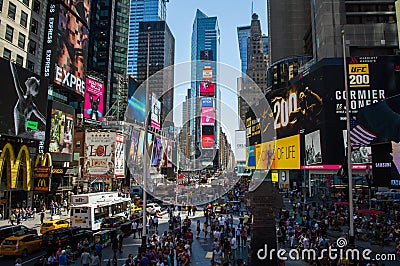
x: 145, y: 158
x: 349, y: 165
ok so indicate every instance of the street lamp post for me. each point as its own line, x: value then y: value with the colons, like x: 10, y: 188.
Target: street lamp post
x: 349, y: 165
x: 145, y: 158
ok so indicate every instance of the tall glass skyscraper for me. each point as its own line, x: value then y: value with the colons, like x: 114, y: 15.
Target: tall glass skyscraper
x: 142, y: 10
x: 204, y: 56
x: 243, y: 33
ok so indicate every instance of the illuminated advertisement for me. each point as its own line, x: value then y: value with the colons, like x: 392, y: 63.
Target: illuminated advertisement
x: 169, y: 154
x: 157, y: 152
x: 61, y: 128
x: 23, y: 102
x: 94, y: 100
x: 206, y: 55
x: 65, y: 49
x: 240, y: 145
x: 207, y: 73
x: 207, y: 116
x: 207, y: 141
x: 207, y: 102
x: 100, y: 148
x: 119, y: 155
x: 81, y: 8
x: 395, y: 180
x: 155, y: 112
x: 313, y: 148
x: 250, y: 157
x: 207, y: 88
x: 140, y: 149
x: 361, y: 155
x: 136, y: 110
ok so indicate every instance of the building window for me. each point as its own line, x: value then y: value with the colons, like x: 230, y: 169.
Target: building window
x: 20, y: 60
x: 21, y: 40
x: 31, y: 66
x: 24, y: 19
x: 32, y: 47
x: 9, y: 33
x: 7, y: 54
x: 12, y: 9
x: 1, y: 5
x: 26, y: 2
x: 36, y: 6
x: 34, y: 26
x: 78, y: 144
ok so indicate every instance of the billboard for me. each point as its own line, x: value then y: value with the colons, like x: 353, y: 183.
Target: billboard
x: 119, y: 155
x: 206, y: 55
x: 207, y: 88
x: 41, y: 178
x: 207, y: 116
x: 100, y: 148
x: 155, y: 112
x: 207, y: 130
x: 65, y: 49
x: 207, y: 102
x: 313, y: 148
x: 157, y: 152
x: 23, y: 102
x: 207, y: 73
x: 169, y: 154
x: 81, y: 8
x: 395, y: 179
x: 61, y: 129
x: 361, y: 155
x: 94, y: 100
x: 136, y: 110
x: 207, y: 141
x: 240, y: 145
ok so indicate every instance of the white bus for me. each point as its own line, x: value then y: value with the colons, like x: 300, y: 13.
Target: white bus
x: 89, y: 210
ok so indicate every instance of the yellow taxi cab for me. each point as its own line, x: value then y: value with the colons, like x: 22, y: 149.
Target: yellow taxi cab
x: 136, y: 208
x: 20, y: 245
x: 54, y: 224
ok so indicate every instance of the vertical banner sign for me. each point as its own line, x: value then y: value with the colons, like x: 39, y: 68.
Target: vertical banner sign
x: 99, y: 154
x: 94, y: 100
x: 41, y: 178
x: 119, y: 156
x: 240, y: 145
x: 207, y: 73
x: 155, y: 112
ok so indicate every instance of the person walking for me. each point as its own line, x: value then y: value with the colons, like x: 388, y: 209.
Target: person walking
x: 62, y: 259
x: 18, y: 262
x: 12, y: 218
x: 233, y: 247
x: 42, y: 214
x: 134, y: 229
x: 114, y: 246
x: 99, y: 250
x: 85, y: 258
x: 95, y: 259
x: 140, y: 229
x: 198, y: 229
x: 120, y: 240
x: 217, y: 256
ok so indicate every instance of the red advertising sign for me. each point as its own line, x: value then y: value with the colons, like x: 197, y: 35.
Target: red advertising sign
x: 207, y: 116
x: 207, y: 88
x: 207, y: 141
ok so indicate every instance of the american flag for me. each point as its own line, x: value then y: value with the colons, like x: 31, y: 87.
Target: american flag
x: 359, y: 135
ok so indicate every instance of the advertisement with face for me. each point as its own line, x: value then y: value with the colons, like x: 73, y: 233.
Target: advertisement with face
x: 119, y: 156
x: 207, y: 116
x: 155, y: 112
x: 207, y: 88
x: 100, y: 148
x: 23, y: 103
x: 93, y: 104
x: 65, y: 49
x: 62, y: 128
x: 81, y: 8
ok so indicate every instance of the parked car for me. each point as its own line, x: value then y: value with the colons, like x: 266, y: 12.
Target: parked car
x: 153, y: 208
x: 20, y: 245
x: 10, y: 230
x: 118, y: 222
x: 63, y: 237
x: 54, y: 224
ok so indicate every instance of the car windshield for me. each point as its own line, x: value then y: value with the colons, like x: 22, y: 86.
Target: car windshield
x: 10, y: 242
x: 47, y: 224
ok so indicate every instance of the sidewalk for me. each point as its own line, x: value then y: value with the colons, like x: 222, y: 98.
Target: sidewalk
x: 35, y: 223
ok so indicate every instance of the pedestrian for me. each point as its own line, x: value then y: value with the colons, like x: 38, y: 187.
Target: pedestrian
x: 18, y: 262
x: 42, y: 214
x: 96, y: 259
x: 65, y: 205
x: 62, y: 259
x: 198, y: 229
x: 114, y: 245
x: 99, y: 250
x: 134, y: 228
x: 243, y: 236
x: 233, y: 247
x: 120, y: 240
x: 156, y: 222
x: 217, y: 256
x: 12, y: 218
x: 129, y: 261
x: 85, y: 258
x: 140, y: 229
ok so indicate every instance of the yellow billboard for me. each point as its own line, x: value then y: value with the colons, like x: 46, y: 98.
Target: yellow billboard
x: 274, y: 177
x: 280, y: 154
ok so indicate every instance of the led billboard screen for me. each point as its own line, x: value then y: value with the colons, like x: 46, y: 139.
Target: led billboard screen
x: 65, y: 49
x: 81, y: 8
x: 206, y: 55
x: 94, y: 100
x: 207, y: 115
x: 23, y: 102
x: 62, y: 128
x: 207, y: 102
x: 207, y: 88
x: 207, y: 141
x: 207, y: 73
x: 119, y: 156
x: 155, y: 112
x: 136, y: 110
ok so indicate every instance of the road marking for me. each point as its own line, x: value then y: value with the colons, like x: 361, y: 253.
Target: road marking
x: 35, y: 258
x: 132, y: 245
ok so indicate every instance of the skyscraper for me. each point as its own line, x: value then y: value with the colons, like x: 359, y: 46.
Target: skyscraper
x: 243, y: 38
x: 142, y: 10
x: 108, y: 46
x: 204, y: 83
x: 161, y: 57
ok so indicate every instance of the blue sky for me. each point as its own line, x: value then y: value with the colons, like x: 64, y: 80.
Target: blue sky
x: 230, y: 14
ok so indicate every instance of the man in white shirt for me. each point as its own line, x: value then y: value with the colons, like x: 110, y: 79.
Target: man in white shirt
x: 134, y: 229
x: 233, y: 248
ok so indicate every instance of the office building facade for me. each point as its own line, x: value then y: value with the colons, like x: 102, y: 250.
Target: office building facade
x: 139, y: 11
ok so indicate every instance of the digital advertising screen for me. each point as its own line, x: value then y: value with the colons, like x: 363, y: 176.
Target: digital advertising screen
x: 206, y: 55
x: 207, y: 115
x: 207, y: 130
x: 94, y: 100
x: 65, y: 49
x: 207, y: 141
x: 207, y: 88
x: 169, y: 154
x: 136, y: 110
x: 23, y: 102
x: 157, y: 152
x: 119, y: 156
x: 207, y: 102
x: 207, y: 73
x: 81, y: 8
x: 155, y: 112
x: 61, y: 128
x: 313, y: 148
